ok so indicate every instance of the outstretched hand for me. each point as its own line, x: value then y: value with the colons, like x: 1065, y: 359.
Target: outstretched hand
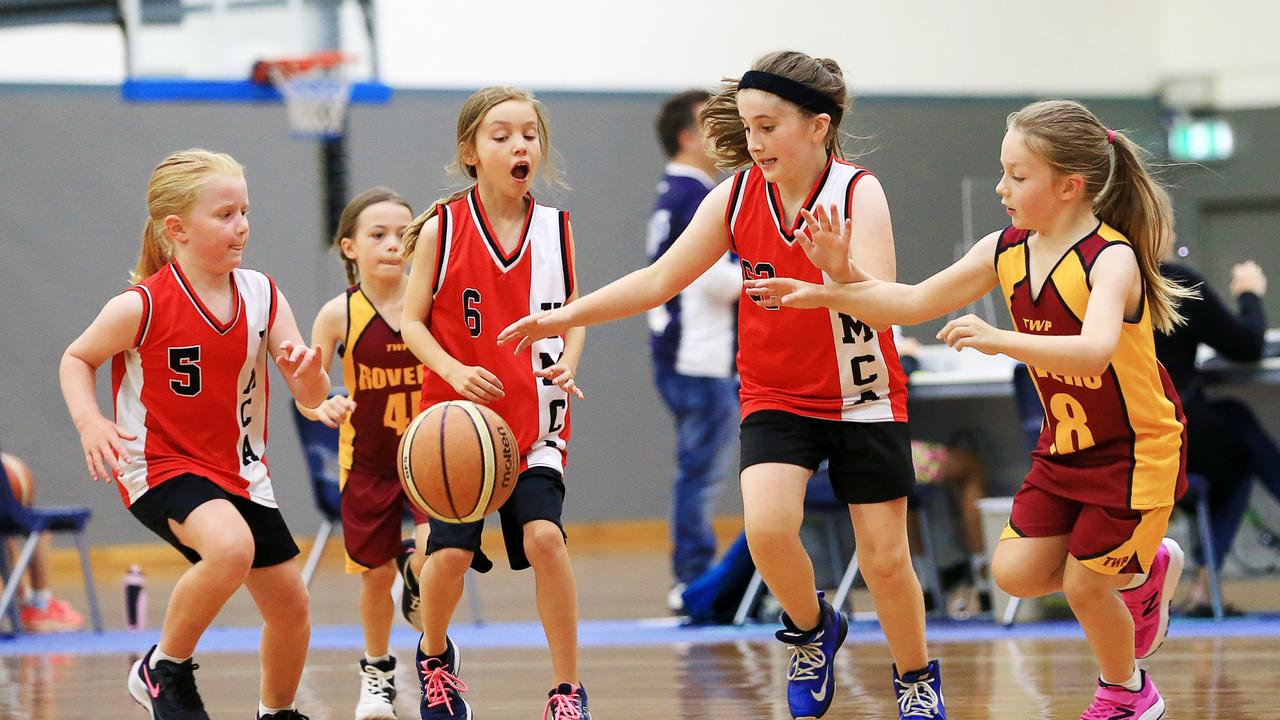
x: 773, y: 293
x: 532, y: 328
x: 562, y: 375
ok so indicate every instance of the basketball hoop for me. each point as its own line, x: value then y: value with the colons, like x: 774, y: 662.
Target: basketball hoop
x: 315, y: 88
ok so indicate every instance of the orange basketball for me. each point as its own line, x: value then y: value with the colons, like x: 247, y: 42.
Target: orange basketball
x: 458, y: 461
x: 24, y: 488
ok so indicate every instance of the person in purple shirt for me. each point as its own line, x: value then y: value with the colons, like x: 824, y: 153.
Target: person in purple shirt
x: 693, y: 344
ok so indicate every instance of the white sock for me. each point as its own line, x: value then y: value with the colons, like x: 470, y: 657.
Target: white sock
x: 375, y: 660
x: 157, y: 656
x: 1133, y: 684
x: 39, y: 599
x: 264, y: 710
x: 1135, y: 582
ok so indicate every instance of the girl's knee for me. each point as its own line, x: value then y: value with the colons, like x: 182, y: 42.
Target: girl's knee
x: 230, y: 556
x: 884, y: 561
x: 543, y: 542
x: 450, y: 561
x: 383, y: 576
x: 289, y: 605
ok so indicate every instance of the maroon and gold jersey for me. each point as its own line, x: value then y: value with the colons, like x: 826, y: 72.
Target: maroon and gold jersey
x: 481, y: 289
x: 1116, y: 439
x: 817, y: 362
x: 194, y: 389
x: 384, y: 379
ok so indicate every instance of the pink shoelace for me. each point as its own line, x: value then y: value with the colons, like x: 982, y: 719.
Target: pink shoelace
x: 438, y: 683
x: 562, y: 707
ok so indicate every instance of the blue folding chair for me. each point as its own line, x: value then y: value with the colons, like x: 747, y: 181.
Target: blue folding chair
x: 18, y: 520
x: 320, y: 446
x: 1031, y: 418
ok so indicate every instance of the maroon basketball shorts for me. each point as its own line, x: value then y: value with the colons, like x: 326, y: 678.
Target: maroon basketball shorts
x: 1105, y: 539
x: 373, y: 511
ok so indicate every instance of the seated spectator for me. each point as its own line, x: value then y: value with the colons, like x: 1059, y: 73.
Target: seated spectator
x: 1225, y: 441
x: 39, y: 611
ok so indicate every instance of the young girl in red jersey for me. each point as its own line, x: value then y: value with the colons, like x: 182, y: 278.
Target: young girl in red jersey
x: 482, y: 259
x: 189, y: 345
x: 1079, y: 270
x: 382, y: 378
x: 816, y: 385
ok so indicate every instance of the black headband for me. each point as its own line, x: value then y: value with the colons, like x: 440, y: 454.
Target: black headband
x: 788, y: 89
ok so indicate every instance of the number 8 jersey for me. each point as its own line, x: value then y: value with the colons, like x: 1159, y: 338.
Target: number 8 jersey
x: 1117, y: 439
x: 479, y: 290
x: 194, y: 389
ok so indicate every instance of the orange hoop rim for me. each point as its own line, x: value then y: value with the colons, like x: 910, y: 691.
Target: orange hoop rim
x: 263, y: 69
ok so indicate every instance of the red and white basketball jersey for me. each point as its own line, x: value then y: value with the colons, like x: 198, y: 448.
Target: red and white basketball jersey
x: 479, y: 290
x: 819, y: 362
x: 194, y: 390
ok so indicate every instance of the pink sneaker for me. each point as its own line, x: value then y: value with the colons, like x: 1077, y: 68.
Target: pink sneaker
x: 57, y: 617
x: 1113, y: 701
x: 1149, y: 602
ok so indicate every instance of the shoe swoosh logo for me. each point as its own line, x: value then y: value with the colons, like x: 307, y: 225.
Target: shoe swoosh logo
x: 1124, y: 714
x: 821, y: 693
x: 153, y: 690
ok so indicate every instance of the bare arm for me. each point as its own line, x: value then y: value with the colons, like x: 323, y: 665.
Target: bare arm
x: 873, y: 249
x: 1114, y: 276
x: 326, y: 333
x: 473, y: 383
x: 301, y: 367
x: 881, y: 303
x: 701, y: 244
x: 112, y: 332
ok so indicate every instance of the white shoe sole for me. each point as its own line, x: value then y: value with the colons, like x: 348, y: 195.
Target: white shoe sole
x: 1172, y: 574
x: 138, y: 691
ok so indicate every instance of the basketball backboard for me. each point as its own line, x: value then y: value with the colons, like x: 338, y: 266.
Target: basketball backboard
x: 205, y: 50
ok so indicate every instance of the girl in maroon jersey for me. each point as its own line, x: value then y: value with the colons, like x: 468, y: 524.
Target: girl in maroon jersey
x: 815, y: 385
x: 189, y: 344
x: 382, y: 379
x: 481, y: 259
x: 1079, y: 269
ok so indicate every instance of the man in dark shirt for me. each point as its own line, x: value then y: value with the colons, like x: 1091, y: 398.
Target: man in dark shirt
x: 1225, y: 442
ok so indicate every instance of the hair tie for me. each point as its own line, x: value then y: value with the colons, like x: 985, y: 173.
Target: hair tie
x: 1111, y: 136
x: 788, y: 89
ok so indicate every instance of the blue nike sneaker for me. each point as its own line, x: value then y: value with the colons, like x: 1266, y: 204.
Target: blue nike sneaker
x: 811, y: 670
x: 920, y: 693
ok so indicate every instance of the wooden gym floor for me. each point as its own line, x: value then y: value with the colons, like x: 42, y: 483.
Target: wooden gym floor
x: 635, y: 668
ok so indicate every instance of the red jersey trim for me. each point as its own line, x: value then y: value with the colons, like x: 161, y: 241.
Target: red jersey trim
x: 848, y: 193
x: 145, y: 324
x: 218, y: 327
x: 735, y: 200
x: 506, y: 261
x: 897, y: 377
x: 271, y: 314
x: 565, y: 264
x: 442, y: 245
x: 788, y: 231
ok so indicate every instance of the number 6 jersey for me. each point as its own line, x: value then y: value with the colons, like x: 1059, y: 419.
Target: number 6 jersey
x: 194, y: 389
x: 1117, y: 439
x: 479, y: 290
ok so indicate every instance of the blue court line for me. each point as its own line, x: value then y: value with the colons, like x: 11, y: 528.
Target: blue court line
x: 603, y: 633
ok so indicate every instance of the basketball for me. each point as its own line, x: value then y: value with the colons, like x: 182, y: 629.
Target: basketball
x: 20, y: 481
x: 458, y: 461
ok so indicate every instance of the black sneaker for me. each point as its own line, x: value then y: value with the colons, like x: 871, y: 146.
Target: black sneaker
x: 411, y: 594
x: 167, y: 691
x: 284, y: 715
x: 441, y: 688
x: 566, y: 701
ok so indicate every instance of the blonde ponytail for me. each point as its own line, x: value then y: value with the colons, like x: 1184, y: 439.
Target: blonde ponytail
x: 155, y: 253
x: 411, y: 233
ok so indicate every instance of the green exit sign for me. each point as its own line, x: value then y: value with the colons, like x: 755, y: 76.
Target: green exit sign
x: 1200, y: 140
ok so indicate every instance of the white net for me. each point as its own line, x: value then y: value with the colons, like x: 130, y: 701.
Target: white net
x: 316, y: 98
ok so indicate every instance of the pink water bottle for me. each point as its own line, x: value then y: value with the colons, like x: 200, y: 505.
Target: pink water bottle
x: 135, y: 598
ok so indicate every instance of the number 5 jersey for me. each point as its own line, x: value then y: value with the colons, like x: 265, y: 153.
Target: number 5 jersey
x: 1117, y: 439
x: 479, y: 290
x: 193, y: 389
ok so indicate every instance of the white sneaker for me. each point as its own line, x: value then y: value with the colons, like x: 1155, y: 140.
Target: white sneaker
x: 675, y: 598
x: 377, y: 690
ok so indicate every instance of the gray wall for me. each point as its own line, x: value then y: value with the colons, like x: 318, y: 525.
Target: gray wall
x: 74, y: 164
